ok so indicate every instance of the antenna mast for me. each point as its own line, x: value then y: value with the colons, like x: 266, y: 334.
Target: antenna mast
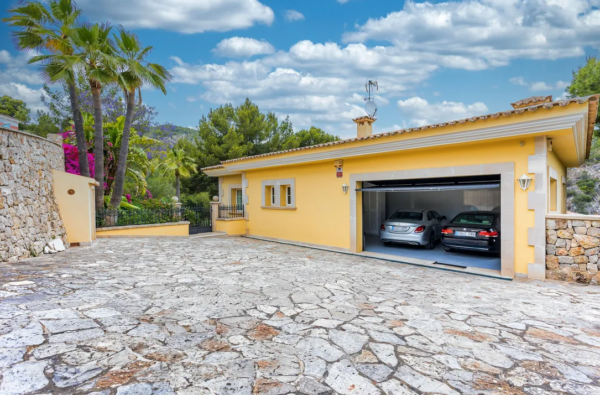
x: 370, y: 106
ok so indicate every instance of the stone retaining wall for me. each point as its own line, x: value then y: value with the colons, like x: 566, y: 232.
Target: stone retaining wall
x: 29, y: 215
x: 572, y: 248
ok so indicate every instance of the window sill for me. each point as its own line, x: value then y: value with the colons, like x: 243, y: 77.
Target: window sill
x: 278, y: 208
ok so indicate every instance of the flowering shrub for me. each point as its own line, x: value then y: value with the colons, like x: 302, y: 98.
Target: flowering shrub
x: 72, y: 160
x: 128, y: 197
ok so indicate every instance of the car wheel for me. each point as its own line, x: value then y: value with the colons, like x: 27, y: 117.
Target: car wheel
x: 448, y: 249
x: 431, y: 244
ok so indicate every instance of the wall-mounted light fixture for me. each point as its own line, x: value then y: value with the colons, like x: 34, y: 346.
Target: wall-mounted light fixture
x: 345, y: 188
x: 524, y: 182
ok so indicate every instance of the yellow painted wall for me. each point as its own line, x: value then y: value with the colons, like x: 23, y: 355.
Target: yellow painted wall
x: 323, y: 211
x: 77, y: 210
x: 555, y: 163
x: 227, y: 181
x: 179, y: 229
x: 232, y: 227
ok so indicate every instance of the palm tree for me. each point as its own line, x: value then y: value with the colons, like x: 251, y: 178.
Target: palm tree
x: 179, y: 163
x: 96, y: 57
x: 136, y: 71
x: 49, y: 29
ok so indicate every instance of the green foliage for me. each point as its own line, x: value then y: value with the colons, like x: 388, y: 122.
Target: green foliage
x: 14, y: 108
x: 44, y: 125
x: 586, y: 81
x: 153, y: 204
x: 587, y: 186
x: 306, y: 138
x: 581, y: 202
x: 199, y: 199
x: 161, y: 185
x: 231, y: 132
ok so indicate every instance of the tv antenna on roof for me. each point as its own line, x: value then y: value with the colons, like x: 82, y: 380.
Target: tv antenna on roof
x: 370, y: 106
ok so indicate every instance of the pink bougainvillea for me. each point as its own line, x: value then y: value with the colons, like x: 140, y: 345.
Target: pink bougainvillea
x: 128, y: 197
x: 72, y: 160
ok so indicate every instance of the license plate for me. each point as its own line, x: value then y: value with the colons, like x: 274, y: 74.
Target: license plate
x: 399, y: 228
x: 466, y: 234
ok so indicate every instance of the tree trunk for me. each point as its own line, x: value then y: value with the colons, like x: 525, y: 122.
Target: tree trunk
x: 84, y: 167
x: 98, y: 144
x: 115, y: 199
x: 177, y: 184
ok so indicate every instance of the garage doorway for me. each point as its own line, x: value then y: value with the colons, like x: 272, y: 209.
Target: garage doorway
x: 429, y: 205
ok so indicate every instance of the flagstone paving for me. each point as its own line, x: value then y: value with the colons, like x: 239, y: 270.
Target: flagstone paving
x: 238, y: 316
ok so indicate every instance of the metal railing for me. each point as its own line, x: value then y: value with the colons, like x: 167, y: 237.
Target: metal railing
x: 231, y: 211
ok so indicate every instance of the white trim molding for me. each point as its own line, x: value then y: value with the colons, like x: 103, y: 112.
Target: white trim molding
x: 231, y: 188
x: 573, y: 121
x: 507, y: 198
x: 537, y: 200
x: 291, y: 182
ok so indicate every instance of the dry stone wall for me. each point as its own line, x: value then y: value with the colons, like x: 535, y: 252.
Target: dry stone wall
x: 29, y: 215
x: 572, y: 248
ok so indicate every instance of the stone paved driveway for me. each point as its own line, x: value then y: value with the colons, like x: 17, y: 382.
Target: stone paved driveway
x: 238, y: 316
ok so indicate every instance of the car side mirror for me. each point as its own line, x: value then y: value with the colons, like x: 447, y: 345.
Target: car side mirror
x: 444, y: 218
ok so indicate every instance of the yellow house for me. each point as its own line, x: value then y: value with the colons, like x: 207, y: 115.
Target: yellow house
x: 319, y: 195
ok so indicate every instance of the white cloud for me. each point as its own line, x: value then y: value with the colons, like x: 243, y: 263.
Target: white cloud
x: 16, y: 69
x: 184, y: 16
x: 317, y: 82
x: 420, y: 112
x: 540, y: 86
x: 293, y: 15
x: 242, y: 47
x: 518, y: 81
x: 32, y: 97
x: 485, y: 33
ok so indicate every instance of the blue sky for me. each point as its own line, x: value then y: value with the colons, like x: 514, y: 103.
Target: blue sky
x: 435, y: 61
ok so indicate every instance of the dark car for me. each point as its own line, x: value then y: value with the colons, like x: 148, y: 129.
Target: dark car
x: 474, y: 231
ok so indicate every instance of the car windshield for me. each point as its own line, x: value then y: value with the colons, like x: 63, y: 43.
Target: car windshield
x: 473, y: 219
x: 407, y: 215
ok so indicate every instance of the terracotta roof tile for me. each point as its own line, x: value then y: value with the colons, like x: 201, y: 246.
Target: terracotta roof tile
x: 531, y: 101
x: 593, y: 108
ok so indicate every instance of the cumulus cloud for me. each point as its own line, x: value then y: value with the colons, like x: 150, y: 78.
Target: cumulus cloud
x: 184, y: 16
x: 540, y: 85
x: 242, y: 47
x: 32, y: 97
x: 293, y: 15
x: 420, y: 112
x: 313, y: 81
x: 484, y: 33
x: 16, y: 69
x: 310, y: 82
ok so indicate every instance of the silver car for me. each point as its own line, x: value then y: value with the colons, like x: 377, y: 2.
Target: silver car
x: 416, y: 227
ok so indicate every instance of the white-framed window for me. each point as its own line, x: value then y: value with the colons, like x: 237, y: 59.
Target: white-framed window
x: 238, y: 197
x: 279, y: 194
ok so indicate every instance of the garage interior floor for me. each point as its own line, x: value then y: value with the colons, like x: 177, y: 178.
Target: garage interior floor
x: 438, y: 254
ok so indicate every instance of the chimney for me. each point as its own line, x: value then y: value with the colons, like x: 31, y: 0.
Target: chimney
x: 364, y: 126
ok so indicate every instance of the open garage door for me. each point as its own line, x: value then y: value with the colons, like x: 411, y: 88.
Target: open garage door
x: 408, y: 218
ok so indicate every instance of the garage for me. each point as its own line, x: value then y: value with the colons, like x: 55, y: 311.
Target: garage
x: 425, y: 209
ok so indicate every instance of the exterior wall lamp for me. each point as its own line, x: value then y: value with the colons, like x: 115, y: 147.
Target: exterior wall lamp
x: 345, y: 188
x: 524, y: 181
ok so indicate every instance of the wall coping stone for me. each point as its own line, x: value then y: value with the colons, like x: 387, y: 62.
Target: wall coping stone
x: 31, y: 135
x: 142, y: 226
x: 577, y: 217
